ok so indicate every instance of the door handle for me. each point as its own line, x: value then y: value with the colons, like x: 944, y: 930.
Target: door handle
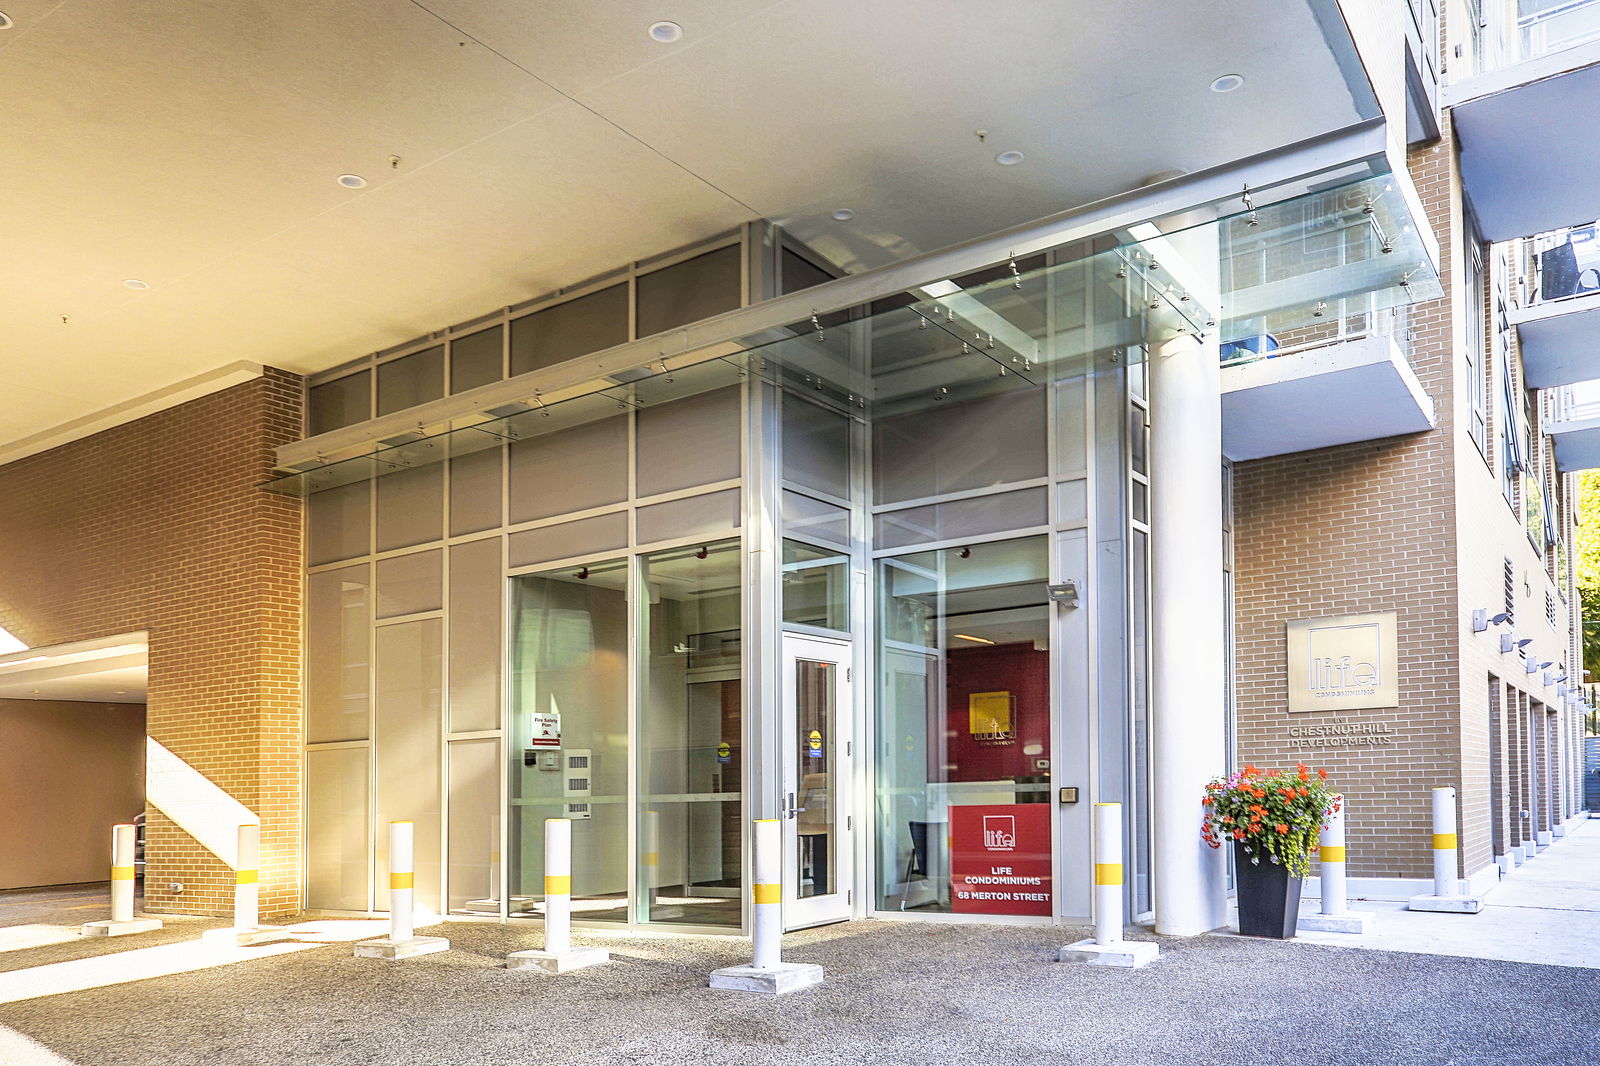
x: 790, y: 810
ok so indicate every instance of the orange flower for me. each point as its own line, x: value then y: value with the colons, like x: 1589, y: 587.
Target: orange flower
x: 1283, y: 828
x: 1206, y: 801
x: 1238, y: 834
x: 1322, y: 774
x: 1250, y: 771
x: 1302, y: 769
x: 1304, y: 791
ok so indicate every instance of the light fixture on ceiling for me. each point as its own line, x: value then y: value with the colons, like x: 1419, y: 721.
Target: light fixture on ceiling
x: 843, y: 214
x: 135, y: 284
x: 666, y: 32
x: 975, y: 640
x: 1227, y: 83
x: 352, y: 181
x: 1009, y: 158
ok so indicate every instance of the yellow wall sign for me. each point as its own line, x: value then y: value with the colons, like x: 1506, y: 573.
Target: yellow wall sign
x: 989, y: 714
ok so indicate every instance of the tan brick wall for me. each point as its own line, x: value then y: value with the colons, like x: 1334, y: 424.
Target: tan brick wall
x: 159, y: 525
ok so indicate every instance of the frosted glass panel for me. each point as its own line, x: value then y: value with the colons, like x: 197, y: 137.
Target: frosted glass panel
x: 477, y: 359
x: 815, y: 519
x: 410, y: 507
x: 688, y: 442
x: 1072, y: 425
x: 408, y: 584
x: 475, y: 492
x: 1072, y: 501
x: 713, y: 513
x: 338, y: 403
x: 960, y: 446
x: 586, y: 536
x: 410, y: 380
x: 340, y: 523
x: 336, y: 654
x: 474, y: 813
x: 816, y: 447
x: 573, y: 470
x: 565, y: 331
x: 336, y: 839
x: 406, y: 737
x: 688, y: 291
x: 999, y: 513
x: 476, y: 583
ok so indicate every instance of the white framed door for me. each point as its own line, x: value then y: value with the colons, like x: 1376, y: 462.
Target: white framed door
x: 818, y: 830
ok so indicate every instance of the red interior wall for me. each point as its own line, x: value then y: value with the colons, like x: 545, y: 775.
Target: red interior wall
x: 1016, y: 668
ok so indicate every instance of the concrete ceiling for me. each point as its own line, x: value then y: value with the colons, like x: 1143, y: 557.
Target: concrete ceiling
x: 106, y: 670
x: 196, y: 148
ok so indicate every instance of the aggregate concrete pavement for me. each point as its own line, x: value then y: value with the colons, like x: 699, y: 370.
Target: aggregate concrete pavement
x: 897, y: 993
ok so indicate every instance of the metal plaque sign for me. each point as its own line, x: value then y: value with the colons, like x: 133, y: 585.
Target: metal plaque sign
x: 1343, y: 664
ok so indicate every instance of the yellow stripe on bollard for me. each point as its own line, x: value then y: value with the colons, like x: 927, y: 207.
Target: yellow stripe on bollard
x: 402, y: 880
x: 247, y: 877
x: 558, y: 884
x: 769, y: 893
x: 1444, y: 842
x: 1332, y: 854
x: 1108, y: 873
x: 122, y: 873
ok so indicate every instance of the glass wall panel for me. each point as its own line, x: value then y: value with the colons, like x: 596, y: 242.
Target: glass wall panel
x: 606, y: 532
x: 810, y: 517
x: 964, y: 713
x: 801, y: 273
x: 477, y: 359
x: 689, y: 291
x: 590, y: 323
x: 410, y: 380
x: 410, y: 584
x: 406, y: 741
x: 816, y: 587
x: 709, y: 515
x: 960, y: 446
x: 816, y: 447
x: 337, y: 663
x: 568, y: 751
x: 973, y: 517
x: 339, y: 524
x: 475, y: 491
x: 337, y: 805
x: 474, y: 827
x: 579, y: 468
x: 689, y: 442
x: 339, y: 403
x: 410, y: 507
x: 1072, y: 421
x: 691, y: 730
x: 476, y: 582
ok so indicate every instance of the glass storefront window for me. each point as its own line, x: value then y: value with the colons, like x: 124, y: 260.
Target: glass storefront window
x: 963, y: 722
x: 691, y: 729
x: 569, y: 735
x: 816, y: 587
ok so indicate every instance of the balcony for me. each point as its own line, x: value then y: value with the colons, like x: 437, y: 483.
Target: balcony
x: 1526, y: 166
x: 1557, y: 312
x: 1572, y: 419
x: 1322, y: 386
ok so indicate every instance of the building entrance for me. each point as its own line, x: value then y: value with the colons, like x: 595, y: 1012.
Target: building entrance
x: 817, y: 761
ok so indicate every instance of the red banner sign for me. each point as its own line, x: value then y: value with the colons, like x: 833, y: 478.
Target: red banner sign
x: 1000, y: 859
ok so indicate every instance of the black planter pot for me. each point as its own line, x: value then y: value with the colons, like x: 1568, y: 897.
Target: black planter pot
x: 1269, y: 899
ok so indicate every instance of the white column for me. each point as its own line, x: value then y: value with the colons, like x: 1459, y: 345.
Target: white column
x: 1188, y: 646
x: 1444, y: 841
x: 767, y: 891
x: 1334, y: 898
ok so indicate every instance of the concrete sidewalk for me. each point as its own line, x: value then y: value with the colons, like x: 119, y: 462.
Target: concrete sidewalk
x: 1546, y: 911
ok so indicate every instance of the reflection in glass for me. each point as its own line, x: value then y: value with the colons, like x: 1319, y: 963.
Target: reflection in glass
x: 569, y: 735
x: 691, y: 731
x: 815, y: 721
x: 963, y: 714
x: 816, y: 587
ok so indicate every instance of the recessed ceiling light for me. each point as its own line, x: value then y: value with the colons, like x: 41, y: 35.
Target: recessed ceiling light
x: 1009, y: 159
x: 843, y: 214
x: 136, y: 284
x: 1227, y: 83
x: 665, y: 32
x: 352, y: 181
x: 5, y: 21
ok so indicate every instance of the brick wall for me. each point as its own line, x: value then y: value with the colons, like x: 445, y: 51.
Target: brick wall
x: 158, y: 525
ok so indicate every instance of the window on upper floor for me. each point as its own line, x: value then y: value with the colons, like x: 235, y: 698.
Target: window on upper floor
x: 1476, y: 347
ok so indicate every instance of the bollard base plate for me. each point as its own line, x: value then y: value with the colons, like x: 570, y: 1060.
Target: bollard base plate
x: 557, y: 961
x: 395, y: 950
x: 1446, y: 904
x: 1348, y: 922
x: 243, y: 938
x: 772, y: 980
x: 1122, y: 953
x: 111, y: 927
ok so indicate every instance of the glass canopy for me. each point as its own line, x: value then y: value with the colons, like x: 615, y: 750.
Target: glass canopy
x: 1015, y: 325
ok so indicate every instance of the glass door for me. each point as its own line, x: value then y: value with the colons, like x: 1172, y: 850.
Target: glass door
x: 818, y: 846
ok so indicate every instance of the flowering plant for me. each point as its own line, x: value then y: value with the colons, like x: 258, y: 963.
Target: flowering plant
x: 1277, y: 815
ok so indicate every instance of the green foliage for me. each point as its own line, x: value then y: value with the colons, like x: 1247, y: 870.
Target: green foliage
x: 1276, y: 815
x: 1588, y: 575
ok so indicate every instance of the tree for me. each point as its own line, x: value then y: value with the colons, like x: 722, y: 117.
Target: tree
x: 1588, y: 573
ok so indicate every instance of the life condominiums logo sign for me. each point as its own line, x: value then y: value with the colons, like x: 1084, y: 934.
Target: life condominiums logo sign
x: 999, y: 832
x: 1343, y: 664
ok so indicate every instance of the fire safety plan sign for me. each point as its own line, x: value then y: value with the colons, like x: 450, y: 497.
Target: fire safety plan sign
x: 1000, y: 859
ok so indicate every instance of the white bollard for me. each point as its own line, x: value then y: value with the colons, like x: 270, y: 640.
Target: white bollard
x: 1335, y: 915
x: 1445, y: 898
x: 247, y: 928
x: 122, y: 873
x: 558, y: 956
x: 767, y: 972
x: 1107, y: 948
x: 402, y: 941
